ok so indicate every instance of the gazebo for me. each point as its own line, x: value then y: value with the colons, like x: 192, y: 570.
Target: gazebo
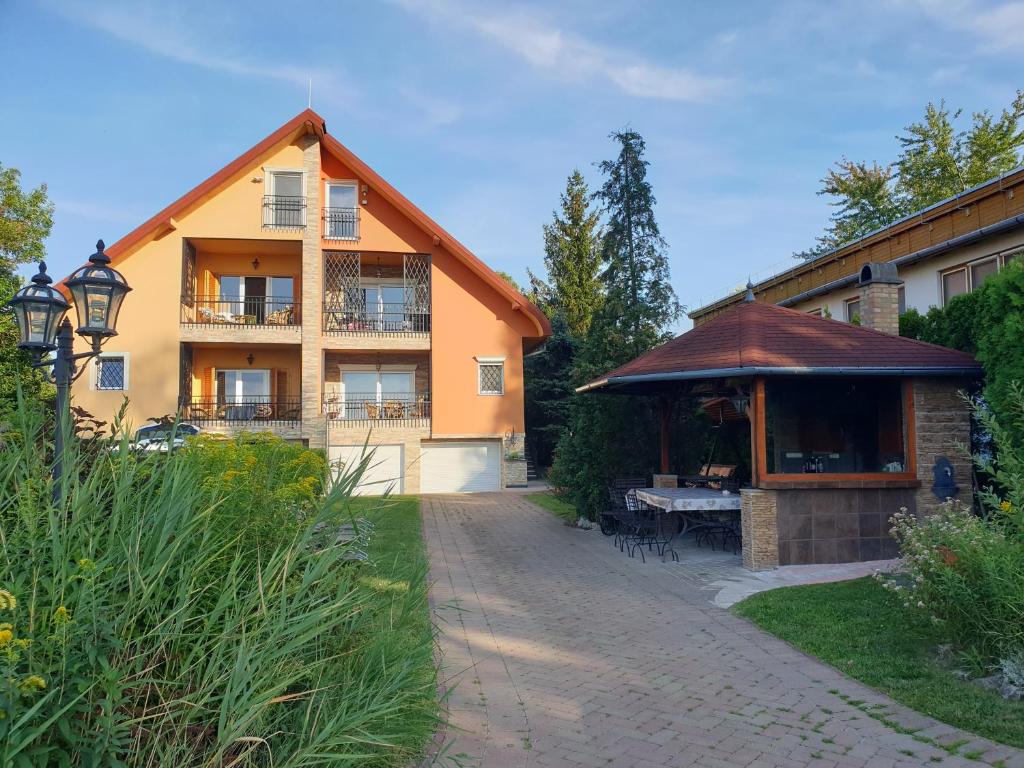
x: 847, y: 423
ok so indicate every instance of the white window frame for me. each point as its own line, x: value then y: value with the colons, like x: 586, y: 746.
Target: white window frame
x: 94, y: 372
x: 269, y: 171
x: 378, y: 370
x: 482, y: 361
x: 968, y: 269
x: 846, y: 307
x: 354, y: 183
x: 238, y: 383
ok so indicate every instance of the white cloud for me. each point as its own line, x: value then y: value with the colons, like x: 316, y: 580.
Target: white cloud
x: 154, y: 28
x: 997, y: 27
x: 570, y: 56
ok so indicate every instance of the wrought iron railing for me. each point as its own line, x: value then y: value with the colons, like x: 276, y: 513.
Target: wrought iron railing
x: 238, y: 310
x: 361, y: 410
x: 268, y: 411
x: 384, y: 318
x: 341, y: 223
x: 284, y: 212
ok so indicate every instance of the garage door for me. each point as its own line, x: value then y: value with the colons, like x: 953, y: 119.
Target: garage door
x: 383, y: 473
x: 459, y: 467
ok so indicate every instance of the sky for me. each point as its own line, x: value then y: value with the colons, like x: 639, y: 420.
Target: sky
x: 478, y: 111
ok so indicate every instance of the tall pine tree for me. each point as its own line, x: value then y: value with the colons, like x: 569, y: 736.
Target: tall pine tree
x: 639, y: 300
x: 549, y: 390
x: 572, y: 256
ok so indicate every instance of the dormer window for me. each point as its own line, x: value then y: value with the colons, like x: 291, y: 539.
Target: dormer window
x: 341, y: 213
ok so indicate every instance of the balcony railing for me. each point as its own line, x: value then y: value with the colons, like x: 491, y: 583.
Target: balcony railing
x: 255, y: 411
x: 238, y: 310
x: 382, y: 319
x: 284, y: 212
x: 364, y: 410
x: 341, y: 223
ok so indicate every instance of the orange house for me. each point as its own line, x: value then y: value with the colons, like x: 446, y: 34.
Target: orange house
x: 297, y: 291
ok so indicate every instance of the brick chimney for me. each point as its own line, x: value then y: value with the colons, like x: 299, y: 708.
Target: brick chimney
x: 880, y: 298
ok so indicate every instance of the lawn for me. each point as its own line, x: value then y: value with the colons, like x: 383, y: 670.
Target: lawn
x: 859, y: 628
x: 554, y: 505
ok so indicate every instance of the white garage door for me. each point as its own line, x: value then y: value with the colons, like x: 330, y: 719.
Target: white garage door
x: 459, y: 467
x: 383, y: 473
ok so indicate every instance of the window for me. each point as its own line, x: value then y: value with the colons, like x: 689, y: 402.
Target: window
x: 853, y: 311
x: 1007, y: 258
x: 491, y: 375
x: 901, y: 298
x: 285, y: 203
x: 248, y: 385
x: 111, y: 372
x: 341, y: 214
x: 260, y: 300
x: 377, y: 394
x: 967, y: 277
x: 834, y: 426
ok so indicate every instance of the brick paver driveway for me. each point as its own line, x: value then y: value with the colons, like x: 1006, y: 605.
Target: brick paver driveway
x: 563, y: 652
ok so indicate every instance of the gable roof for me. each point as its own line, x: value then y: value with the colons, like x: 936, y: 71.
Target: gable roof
x: 309, y: 121
x: 764, y: 339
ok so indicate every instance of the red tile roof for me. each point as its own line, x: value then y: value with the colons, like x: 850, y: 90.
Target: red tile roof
x: 756, y: 338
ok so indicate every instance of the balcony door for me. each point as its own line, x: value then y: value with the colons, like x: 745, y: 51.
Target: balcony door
x: 377, y: 394
x: 341, y: 217
x: 385, y: 305
x: 243, y: 386
x: 255, y: 297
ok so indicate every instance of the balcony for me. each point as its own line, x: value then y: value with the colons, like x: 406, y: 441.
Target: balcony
x: 341, y: 223
x: 382, y: 319
x: 255, y: 414
x: 370, y: 411
x: 284, y: 212
x: 239, y: 310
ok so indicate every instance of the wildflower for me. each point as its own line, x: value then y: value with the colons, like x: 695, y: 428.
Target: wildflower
x: 32, y: 683
x: 62, y: 615
x: 86, y: 564
x: 1006, y: 506
x: 7, y: 600
x: 6, y: 634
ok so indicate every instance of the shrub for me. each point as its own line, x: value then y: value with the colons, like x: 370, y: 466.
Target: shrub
x: 137, y: 628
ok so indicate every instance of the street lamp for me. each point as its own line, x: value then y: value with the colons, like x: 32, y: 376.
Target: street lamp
x: 97, y: 290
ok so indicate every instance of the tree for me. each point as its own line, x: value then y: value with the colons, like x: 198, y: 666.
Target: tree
x: 26, y: 219
x: 936, y: 160
x: 572, y: 256
x: 509, y: 279
x: 639, y: 299
x: 549, y: 389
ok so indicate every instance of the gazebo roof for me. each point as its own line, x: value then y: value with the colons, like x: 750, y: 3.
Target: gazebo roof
x: 756, y: 339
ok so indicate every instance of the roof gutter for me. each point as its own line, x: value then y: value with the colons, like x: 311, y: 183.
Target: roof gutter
x: 999, y: 227
x: 842, y: 370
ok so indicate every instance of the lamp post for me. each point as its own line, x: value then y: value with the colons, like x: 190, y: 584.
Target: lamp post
x: 97, y: 291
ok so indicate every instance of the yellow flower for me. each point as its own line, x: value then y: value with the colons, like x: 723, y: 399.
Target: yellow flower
x: 32, y: 683
x: 1006, y: 506
x: 86, y: 564
x: 7, y: 600
x: 62, y: 615
x: 6, y: 636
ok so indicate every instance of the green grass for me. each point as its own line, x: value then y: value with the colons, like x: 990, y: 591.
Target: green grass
x: 859, y: 628
x: 554, y: 505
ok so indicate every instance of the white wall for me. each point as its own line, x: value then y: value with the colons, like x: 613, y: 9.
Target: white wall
x: 922, y: 282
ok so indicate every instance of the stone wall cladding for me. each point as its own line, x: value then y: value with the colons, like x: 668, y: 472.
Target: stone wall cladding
x: 408, y: 437
x: 838, y: 525
x: 314, y: 426
x: 759, y: 522
x: 241, y: 334
x: 942, y: 425
x: 363, y: 341
x: 880, y: 307
x: 513, y: 461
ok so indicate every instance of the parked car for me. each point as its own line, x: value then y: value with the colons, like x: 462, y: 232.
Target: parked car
x: 157, y: 437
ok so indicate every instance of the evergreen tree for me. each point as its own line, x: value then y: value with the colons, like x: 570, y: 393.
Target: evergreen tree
x: 639, y: 299
x: 936, y: 161
x: 572, y: 256
x: 549, y: 389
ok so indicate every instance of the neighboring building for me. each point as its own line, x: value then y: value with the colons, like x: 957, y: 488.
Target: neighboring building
x: 298, y: 292
x: 940, y: 252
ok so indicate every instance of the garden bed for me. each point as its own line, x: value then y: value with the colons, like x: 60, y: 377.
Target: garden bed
x: 862, y: 630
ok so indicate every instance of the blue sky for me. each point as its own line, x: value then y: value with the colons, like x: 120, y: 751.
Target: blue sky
x: 479, y: 111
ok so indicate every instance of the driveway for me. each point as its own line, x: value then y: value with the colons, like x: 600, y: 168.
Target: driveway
x: 560, y: 651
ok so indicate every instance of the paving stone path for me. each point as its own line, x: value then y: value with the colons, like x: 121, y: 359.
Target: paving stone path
x: 560, y: 651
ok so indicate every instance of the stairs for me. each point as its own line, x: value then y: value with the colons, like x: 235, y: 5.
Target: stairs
x: 531, y: 469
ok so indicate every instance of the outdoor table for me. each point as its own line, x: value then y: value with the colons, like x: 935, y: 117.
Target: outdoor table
x: 688, y: 501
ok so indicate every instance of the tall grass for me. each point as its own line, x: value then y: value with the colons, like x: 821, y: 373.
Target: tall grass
x: 136, y: 629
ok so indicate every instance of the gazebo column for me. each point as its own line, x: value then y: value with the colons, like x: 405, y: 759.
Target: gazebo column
x: 665, y: 479
x: 759, y: 518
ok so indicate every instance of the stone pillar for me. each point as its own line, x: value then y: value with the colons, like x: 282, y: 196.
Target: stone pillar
x: 760, y: 523
x: 880, y: 298
x: 942, y: 429
x: 314, y: 424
